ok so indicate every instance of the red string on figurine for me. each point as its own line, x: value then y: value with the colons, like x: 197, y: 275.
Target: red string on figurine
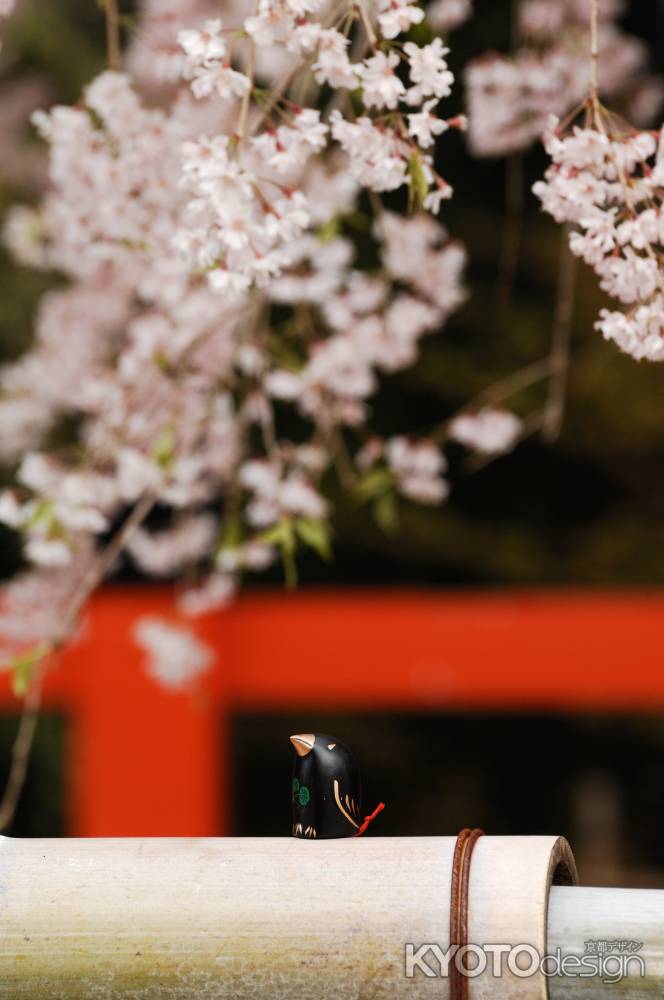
x: 369, y: 819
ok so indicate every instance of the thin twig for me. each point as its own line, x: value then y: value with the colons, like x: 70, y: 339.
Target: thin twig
x: 512, y: 232
x: 366, y: 21
x: 510, y: 249
x: 281, y: 87
x: 560, y: 345
x: 594, y: 54
x: 343, y: 462
x: 498, y: 392
x: 360, y: 47
x: 113, y: 49
x: 22, y: 748
x: 27, y: 728
x: 531, y: 425
x: 246, y: 97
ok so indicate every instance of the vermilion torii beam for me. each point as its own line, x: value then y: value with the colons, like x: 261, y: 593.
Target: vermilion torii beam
x: 143, y: 761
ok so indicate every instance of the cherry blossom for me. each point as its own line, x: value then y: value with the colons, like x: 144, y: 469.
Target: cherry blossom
x: 155, y: 60
x: 166, y: 552
x: 490, y: 431
x: 276, y: 493
x: 33, y: 607
x: 185, y: 227
x: 606, y: 184
x: 418, y: 468
x: 429, y: 71
x: 209, y: 213
x: 216, y: 591
x: 174, y: 655
x: 332, y: 65
x: 424, y: 126
x: 381, y: 87
x: 204, y: 46
x: 396, y: 16
x: 212, y: 282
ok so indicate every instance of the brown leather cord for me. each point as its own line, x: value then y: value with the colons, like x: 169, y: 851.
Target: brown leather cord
x: 455, y: 912
x: 463, y: 852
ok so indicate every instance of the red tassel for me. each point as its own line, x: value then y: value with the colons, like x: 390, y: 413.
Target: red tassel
x: 369, y: 819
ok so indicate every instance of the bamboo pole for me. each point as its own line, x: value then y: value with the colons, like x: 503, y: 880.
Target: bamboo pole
x: 580, y: 916
x: 275, y: 919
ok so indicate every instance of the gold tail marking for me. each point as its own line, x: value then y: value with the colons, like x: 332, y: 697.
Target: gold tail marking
x: 338, y: 801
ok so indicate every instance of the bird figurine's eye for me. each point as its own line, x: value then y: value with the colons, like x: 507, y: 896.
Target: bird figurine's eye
x: 331, y: 746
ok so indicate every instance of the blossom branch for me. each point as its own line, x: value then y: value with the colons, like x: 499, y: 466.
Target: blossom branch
x: 605, y: 184
x: 21, y: 749
x: 246, y: 97
x: 594, y: 55
x: 512, y: 231
x: 508, y: 263
x: 113, y: 48
x: 24, y: 741
x: 498, y: 392
x: 366, y: 21
x: 169, y: 316
x: 532, y: 425
x: 560, y: 349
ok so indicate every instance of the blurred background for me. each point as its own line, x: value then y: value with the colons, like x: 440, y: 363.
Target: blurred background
x: 584, y: 512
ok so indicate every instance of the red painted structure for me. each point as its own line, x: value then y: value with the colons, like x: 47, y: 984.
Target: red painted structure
x: 143, y: 761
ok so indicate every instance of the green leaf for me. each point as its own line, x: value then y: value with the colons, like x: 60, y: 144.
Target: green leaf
x: 163, y: 450
x: 418, y: 187
x: 290, y: 568
x: 231, y: 535
x: 360, y: 221
x: 422, y: 33
x: 283, y: 536
x: 23, y: 668
x: 386, y: 513
x: 331, y: 229
x: 43, y: 516
x: 316, y: 534
x: 274, y: 535
x: 374, y: 483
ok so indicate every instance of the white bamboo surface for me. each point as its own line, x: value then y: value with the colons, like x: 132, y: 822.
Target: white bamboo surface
x: 276, y: 919
x: 580, y: 915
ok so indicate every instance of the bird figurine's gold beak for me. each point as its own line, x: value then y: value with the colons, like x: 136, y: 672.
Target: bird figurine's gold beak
x: 303, y: 744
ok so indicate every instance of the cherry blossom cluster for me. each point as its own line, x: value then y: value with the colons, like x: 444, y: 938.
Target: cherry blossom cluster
x: 511, y: 98
x: 207, y: 228
x: 607, y: 184
x: 487, y: 431
x: 155, y: 60
x: 175, y: 657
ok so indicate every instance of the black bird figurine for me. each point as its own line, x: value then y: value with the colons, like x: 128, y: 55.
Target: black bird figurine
x: 327, y: 790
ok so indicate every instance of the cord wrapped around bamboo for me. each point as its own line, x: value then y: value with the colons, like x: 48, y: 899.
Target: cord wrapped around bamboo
x: 265, y: 918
